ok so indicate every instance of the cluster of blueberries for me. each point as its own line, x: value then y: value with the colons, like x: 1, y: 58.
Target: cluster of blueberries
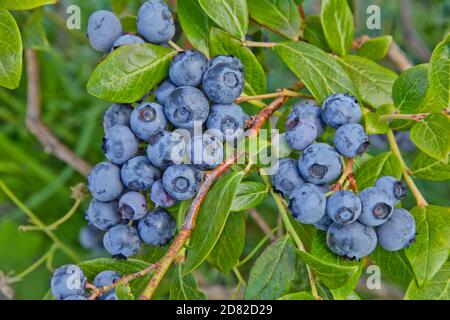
x: 354, y: 223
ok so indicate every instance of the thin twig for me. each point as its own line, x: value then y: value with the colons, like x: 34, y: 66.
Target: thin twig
x: 257, y: 44
x: 399, y: 116
x: 38, y: 129
x: 346, y: 175
x: 281, y: 93
x: 175, y: 46
x: 261, y: 223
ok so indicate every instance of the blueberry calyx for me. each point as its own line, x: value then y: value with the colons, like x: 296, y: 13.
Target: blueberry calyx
x: 147, y: 114
x: 382, y: 210
x: 318, y: 171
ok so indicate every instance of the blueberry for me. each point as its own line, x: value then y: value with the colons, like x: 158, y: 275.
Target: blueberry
x: 377, y: 206
x: 103, y: 215
x: 181, y: 181
x: 344, y: 207
x: 155, y: 21
x: 117, y: 114
x: 287, y: 177
x: 320, y: 164
x: 107, y: 278
x: 398, y: 232
x: 324, y: 223
x: 147, y: 120
x: 395, y: 188
x: 75, y: 297
x: 187, y: 68
x: 157, y: 228
x: 228, y: 120
x: 307, y: 110
x: 186, y: 106
x: 229, y: 60
x: 404, y: 141
x: 160, y: 197
x: 340, y: 109
x: 165, y: 149
x: 351, y: 140
x: 67, y: 281
x: 138, y: 174
x: 308, y: 203
x: 104, y: 28
x: 122, y: 240
x: 127, y: 39
x: 104, y: 182
x: 205, y: 151
x: 120, y: 144
x: 164, y: 90
x: 352, y: 241
x: 91, y: 238
x: 223, y: 83
x: 300, y: 133
x: 132, y: 206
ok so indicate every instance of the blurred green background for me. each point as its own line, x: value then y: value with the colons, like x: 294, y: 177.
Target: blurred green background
x: 66, y: 60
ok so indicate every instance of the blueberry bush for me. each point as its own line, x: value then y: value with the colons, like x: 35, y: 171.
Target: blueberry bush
x: 274, y: 149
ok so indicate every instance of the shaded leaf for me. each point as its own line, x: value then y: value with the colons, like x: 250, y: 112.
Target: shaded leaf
x: 313, y: 33
x: 384, y: 164
x: 185, y: 288
x: 195, y: 24
x: 303, y: 295
x: 393, y: 265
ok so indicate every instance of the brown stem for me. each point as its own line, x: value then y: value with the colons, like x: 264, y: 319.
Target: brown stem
x: 346, y: 175
x: 37, y: 128
x: 398, y: 116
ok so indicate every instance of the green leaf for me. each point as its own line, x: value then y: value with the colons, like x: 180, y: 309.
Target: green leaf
x: 129, y: 24
x: 230, y: 245
x: 255, y: 78
x: 92, y: 267
x: 306, y: 232
x: 346, y: 292
x: 375, y: 125
x: 23, y: 4
x: 321, y: 74
x: 313, y: 33
x: 249, y: 195
x: 33, y: 32
x: 211, y: 220
x: 273, y: 272
x: 384, y: 164
x: 230, y: 15
x: 332, y: 270
x: 376, y: 48
x: 410, y: 89
x: 123, y: 292
x: 436, y: 290
x: 440, y: 73
x: 281, y: 16
x: 119, y: 6
x: 302, y: 295
x: 430, y: 251
x: 185, y: 288
x: 129, y: 72
x: 428, y: 168
x: 195, y: 24
x: 10, y: 51
x: 393, y: 265
x: 373, y: 81
x: 338, y: 26
x: 432, y: 136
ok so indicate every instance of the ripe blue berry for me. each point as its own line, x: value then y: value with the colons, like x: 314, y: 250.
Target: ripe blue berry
x: 352, y: 241
x: 122, y: 240
x: 186, y: 106
x: 324, y: 223
x: 340, y: 109
x: 205, y: 151
x: 160, y: 197
x: 230, y: 60
x: 107, y: 278
x: 307, y: 110
x: 398, y: 232
x: 155, y: 21
x: 127, y: 39
x: 300, y: 133
x: 320, y: 164
x: 91, y: 238
x: 138, y: 174
x: 120, y: 144
x: 344, y: 207
x: 287, y: 177
x: 67, y: 281
x: 104, y: 182
x: 164, y: 90
x: 117, y: 114
x: 103, y: 215
x: 187, y: 68
x: 133, y: 206
x: 227, y: 120
x: 223, y: 83
x: 351, y: 140
x: 308, y: 203
x: 377, y: 206
x: 157, y: 228
x: 181, y: 181
x: 165, y: 149
x: 395, y: 188
x: 104, y: 28
x: 147, y: 120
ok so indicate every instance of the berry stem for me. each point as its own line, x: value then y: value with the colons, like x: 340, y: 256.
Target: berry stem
x: 175, y: 46
x: 281, y: 93
x: 347, y: 175
x: 420, y: 199
x: 248, y: 43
